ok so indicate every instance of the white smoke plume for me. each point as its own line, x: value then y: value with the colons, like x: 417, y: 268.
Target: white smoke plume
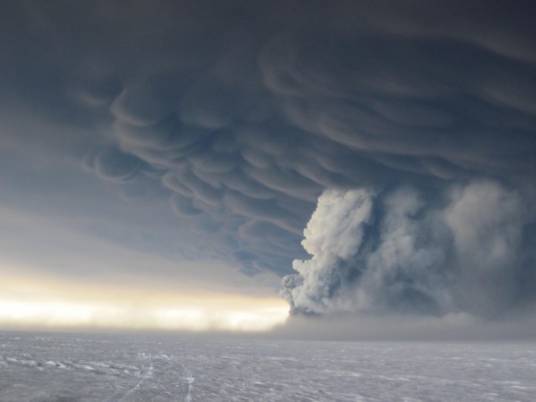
x: 393, y: 251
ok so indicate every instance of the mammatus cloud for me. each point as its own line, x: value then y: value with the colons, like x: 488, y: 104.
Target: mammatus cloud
x: 396, y: 251
x: 307, y: 115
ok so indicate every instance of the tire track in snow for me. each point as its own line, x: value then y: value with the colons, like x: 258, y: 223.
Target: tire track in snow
x: 146, y: 375
x: 189, y: 383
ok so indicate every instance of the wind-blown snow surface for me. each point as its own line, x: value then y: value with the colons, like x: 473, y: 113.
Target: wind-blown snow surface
x: 68, y: 367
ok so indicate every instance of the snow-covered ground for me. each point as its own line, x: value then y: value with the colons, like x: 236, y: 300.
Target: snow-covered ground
x: 68, y: 367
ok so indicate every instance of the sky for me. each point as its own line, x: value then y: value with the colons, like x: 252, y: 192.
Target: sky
x: 245, y: 166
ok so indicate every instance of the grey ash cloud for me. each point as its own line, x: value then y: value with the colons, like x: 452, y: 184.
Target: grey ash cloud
x: 414, y: 122
x: 398, y: 251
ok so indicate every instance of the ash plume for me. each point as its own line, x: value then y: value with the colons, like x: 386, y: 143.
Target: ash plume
x: 395, y: 251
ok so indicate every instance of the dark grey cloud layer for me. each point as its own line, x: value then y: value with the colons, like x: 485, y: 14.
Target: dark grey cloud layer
x: 245, y: 113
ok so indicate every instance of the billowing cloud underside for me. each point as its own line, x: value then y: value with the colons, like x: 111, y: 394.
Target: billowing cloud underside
x: 413, y: 123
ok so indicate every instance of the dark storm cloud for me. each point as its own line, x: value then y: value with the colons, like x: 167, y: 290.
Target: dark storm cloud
x: 424, y: 112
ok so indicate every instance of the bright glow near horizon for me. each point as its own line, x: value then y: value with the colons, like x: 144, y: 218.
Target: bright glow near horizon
x: 65, y: 306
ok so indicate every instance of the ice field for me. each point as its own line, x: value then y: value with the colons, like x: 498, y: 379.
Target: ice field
x: 69, y: 367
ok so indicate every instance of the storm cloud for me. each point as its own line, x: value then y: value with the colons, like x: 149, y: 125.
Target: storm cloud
x: 400, y: 135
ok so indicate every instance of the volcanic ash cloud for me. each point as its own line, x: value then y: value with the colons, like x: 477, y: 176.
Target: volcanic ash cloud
x: 403, y: 251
